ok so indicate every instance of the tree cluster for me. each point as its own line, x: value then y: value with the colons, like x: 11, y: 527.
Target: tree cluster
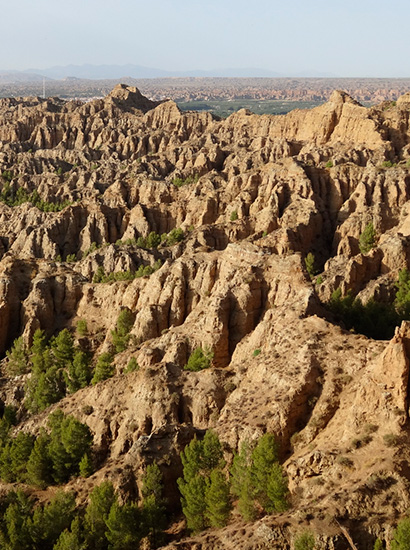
x: 105, y: 524
x: 256, y: 481
x: 374, y: 319
x: 57, y: 367
x: 59, y: 452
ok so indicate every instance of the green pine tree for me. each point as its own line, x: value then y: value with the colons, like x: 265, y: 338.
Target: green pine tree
x: 39, y: 465
x: 18, y: 361
x: 21, y: 449
x: 96, y: 514
x: 121, y: 334
x: 86, y: 466
x: 277, y: 490
x: 241, y: 483
x: 123, y: 527
x: 62, y: 347
x: 78, y: 374
x: 264, y: 456
x: 153, y: 510
x: 193, y: 502
x: 51, y: 520
x: 71, y: 539
x: 103, y: 369
x: 37, y: 352
x: 217, y: 500
x: 17, y: 521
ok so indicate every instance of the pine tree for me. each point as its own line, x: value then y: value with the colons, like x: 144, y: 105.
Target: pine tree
x: 17, y: 522
x: 217, y: 500
x: 241, y: 482
x: 62, y: 347
x: 86, y: 466
x: 199, y: 458
x: 264, y: 456
x: 193, y: 502
x: 367, y: 239
x: 101, y: 500
x: 44, y: 389
x: 37, y: 352
x: 18, y: 362
x: 71, y: 540
x: 51, y: 520
x: 120, y: 336
x: 21, y: 448
x: 276, y: 490
x: 246, y: 502
x: 212, y: 455
x: 123, y: 527
x: 39, y: 465
x: 78, y: 373
x: 103, y: 369
x: 153, y: 510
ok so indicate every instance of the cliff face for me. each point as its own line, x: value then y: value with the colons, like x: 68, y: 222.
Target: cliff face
x: 253, y: 196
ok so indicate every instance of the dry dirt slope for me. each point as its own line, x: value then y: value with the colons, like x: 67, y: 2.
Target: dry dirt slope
x: 255, y: 195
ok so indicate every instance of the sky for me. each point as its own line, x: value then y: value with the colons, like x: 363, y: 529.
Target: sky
x: 353, y: 38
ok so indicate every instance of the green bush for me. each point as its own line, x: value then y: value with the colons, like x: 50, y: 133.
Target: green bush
x: 305, y: 541
x: 401, y: 540
x: 132, y: 365
x: 310, y: 265
x: 179, y: 182
x: 121, y: 334
x: 199, y: 359
x: 104, y: 368
x: 234, y: 215
x: 329, y: 164
x: 367, y: 239
x: 82, y: 329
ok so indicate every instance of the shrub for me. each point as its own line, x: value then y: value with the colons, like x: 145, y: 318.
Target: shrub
x: 132, y: 366
x: 256, y: 352
x: 199, y: 359
x: 367, y: 239
x: 310, y: 265
x: 305, y: 541
x: 391, y: 440
x: 179, y: 182
x: 234, y: 216
x: 120, y: 336
x: 329, y: 164
x: 82, y: 329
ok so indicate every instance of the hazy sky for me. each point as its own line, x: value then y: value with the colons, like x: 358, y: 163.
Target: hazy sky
x: 345, y: 38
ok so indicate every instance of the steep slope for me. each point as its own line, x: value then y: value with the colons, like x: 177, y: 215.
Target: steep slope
x: 86, y: 191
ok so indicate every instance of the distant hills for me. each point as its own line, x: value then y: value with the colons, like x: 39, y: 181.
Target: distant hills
x: 101, y: 72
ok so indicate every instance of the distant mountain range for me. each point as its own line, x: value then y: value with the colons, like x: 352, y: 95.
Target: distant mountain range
x: 102, y: 72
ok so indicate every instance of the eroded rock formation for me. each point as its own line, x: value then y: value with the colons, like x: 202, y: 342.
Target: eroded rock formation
x: 253, y: 196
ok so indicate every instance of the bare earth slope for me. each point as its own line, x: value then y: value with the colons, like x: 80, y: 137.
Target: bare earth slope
x: 254, y: 196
